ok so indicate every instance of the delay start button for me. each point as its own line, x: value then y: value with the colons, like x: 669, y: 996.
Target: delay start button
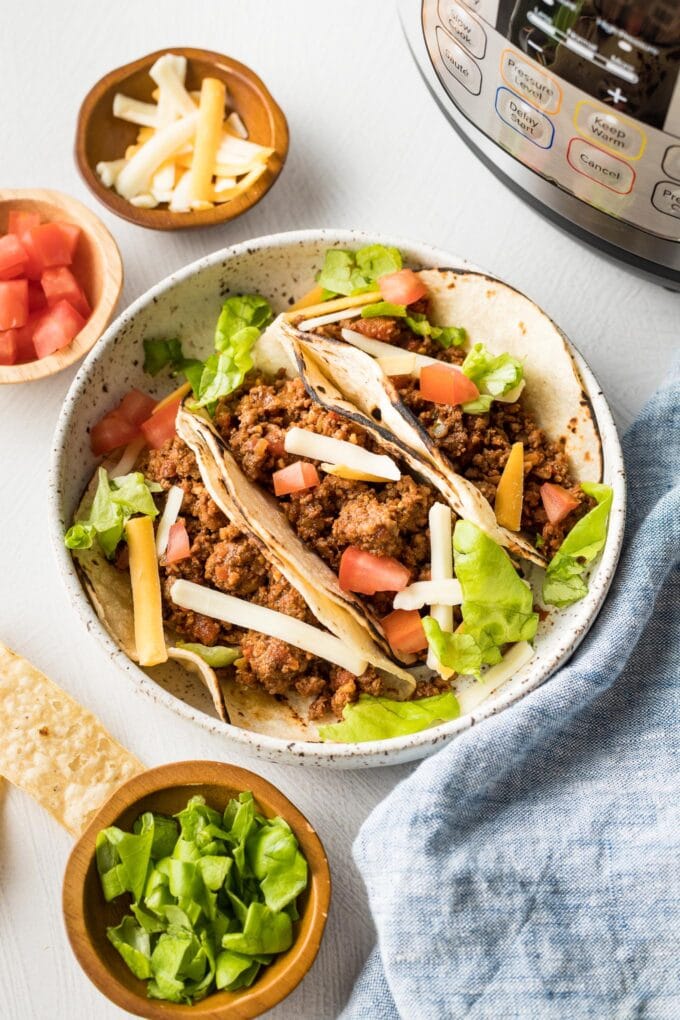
x: 524, y: 118
x: 600, y: 166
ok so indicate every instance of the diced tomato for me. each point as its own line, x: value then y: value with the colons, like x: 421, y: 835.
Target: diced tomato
x: 557, y: 502
x: 36, y: 297
x: 13, y: 257
x: 8, y: 347
x: 443, y: 384
x: 112, y: 431
x: 57, y: 327
x: 161, y: 425
x: 402, y: 288
x: 13, y: 303
x: 23, y: 338
x: 136, y: 407
x: 179, y: 545
x: 366, y: 573
x: 50, y: 244
x: 295, y: 478
x: 404, y: 631
x: 20, y: 221
x: 71, y: 234
x: 59, y: 283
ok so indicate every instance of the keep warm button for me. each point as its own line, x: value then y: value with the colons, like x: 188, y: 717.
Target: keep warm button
x: 524, y: 118
x: 600, y: 166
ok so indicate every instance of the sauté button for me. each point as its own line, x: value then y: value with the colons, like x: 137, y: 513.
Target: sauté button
x: 539, y: 88
x: 463, y: 27
x: 600, y: 166
x: 524, y: 118
x: 458, y: 63
x: 616, y: 134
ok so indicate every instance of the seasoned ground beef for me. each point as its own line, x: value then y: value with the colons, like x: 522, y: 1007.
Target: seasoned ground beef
x: 224, y: 558
x: 388, y: 519
x: 478, y: 445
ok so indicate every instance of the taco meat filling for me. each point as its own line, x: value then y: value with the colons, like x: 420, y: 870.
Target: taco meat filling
x: 384, y: 518
x: 223, y: 557
x: 478, y: 445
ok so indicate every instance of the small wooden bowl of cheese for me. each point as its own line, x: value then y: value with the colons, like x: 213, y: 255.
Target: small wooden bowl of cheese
x: 180, y: 138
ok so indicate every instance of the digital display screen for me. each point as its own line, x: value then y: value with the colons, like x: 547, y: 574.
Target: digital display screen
x: 626, y: 55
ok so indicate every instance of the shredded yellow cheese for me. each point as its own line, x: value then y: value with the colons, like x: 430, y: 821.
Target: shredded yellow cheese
x: 208, y: 138
x: 146, y: 592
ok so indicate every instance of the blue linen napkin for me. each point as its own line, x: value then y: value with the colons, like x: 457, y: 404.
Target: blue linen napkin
x: 531, y: 869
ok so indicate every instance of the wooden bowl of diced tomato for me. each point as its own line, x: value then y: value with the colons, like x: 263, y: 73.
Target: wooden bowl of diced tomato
x: 60, y: 278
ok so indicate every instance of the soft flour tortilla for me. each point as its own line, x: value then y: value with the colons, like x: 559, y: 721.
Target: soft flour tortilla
x: 506, y: 322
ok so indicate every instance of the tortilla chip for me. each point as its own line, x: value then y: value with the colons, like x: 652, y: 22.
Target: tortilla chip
x: 53, y: 748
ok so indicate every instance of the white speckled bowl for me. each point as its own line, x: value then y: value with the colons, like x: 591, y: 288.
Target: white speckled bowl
x: 186, y: 304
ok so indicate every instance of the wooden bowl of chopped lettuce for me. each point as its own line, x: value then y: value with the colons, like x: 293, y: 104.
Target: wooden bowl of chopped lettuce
x: 197, y: 890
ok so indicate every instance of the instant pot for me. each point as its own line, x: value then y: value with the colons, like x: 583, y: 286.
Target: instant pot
x: 573, y: 103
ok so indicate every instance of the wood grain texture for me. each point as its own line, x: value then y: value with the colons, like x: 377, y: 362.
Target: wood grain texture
x: 167, y: 790
x: 101, y: 136
x: 97, y: 265
x: 369, y: 149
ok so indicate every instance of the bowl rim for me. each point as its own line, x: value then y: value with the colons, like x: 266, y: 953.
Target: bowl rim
x: 370, y: 753
x: 250, y: 1002
x: 102, y: 312
x: 162, y: 218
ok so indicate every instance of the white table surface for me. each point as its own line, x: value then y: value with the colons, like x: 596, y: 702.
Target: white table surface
x: 368, y: 149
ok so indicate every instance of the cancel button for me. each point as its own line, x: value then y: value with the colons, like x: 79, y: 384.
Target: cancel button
x: 600, y: 166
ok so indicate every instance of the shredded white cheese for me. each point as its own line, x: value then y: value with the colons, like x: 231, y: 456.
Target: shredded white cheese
x: 337, y: 451
x: 514, y: 660
x: 439, y: 595
x: 325, y: 320
x: 173, y: 505
x: 250, y: 616
x: 379, y: 349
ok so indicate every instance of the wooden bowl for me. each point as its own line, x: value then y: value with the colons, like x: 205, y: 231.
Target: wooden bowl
x: 101, y: 136
x: 87, y: 914
x: 97, y: 265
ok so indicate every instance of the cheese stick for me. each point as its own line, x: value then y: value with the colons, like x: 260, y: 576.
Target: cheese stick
x: 208, y: 138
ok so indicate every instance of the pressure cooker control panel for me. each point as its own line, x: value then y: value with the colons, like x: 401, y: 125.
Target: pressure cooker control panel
x: 585, y: 97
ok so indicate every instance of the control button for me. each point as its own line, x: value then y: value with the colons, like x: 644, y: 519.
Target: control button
x: 666, y: 198
x: 463, y: 27
x: 524, y: 118
x: 614, y: 133
x: 459, y: 64
x: 671, y: 162
x: 536, y: 86
x: 600, y: 166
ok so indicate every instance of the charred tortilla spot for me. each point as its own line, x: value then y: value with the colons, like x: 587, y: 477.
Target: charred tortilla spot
x: 376, y: 413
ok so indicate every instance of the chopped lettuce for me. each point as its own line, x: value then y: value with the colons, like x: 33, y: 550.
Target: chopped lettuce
x: 216, y: 656
x: 159, y: 354
x: 445, y: 336
x: 115, y: 501
x: 213, y: 895
x: 564, y: 581
x: 383, y: 308
x: 494, y: 376
x: 372, y: 718
x: 347, y: 272
x: 497, y: 605
x: 458, y: 651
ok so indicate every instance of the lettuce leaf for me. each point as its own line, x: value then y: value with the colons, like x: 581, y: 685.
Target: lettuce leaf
x: 458, y: 651
x: 494, y: 375
x: 379, y: 718
x: 346, y: 272
x: 383, y: 308
x: 564, y: 581
x: 216, y: 656
x: 133, y: 944
x: 159, y: 354
x: 497, y: 605
x: 446, y: 336
x: 240, y: 325
x: 275, y: 860
x: 115, y: 501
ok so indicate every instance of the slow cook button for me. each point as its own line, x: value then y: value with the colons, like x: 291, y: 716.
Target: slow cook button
x: 666, y: 198
x: 600, y: 166
x: 532, y: 84
x: 463, y: 27
x: 612, y: 133
x: 458, y: 63
x: 524, y: 118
